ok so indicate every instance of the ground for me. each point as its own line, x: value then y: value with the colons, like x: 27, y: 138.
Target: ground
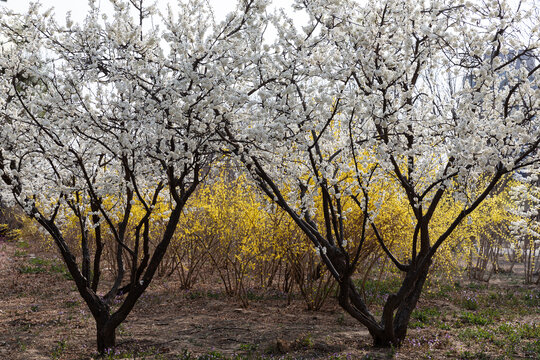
x: 43, y: 317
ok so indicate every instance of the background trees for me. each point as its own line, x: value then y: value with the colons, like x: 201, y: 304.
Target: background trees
x: 103, y: 124
x: 419, y: 102
x: 526, y: 228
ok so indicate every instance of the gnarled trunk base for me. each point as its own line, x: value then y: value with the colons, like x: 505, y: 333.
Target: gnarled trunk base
x: 106, y: 336
x: 385, y: 341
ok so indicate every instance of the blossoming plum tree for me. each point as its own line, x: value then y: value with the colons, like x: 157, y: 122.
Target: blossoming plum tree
x: 425, y: 95
x: 102, y: 117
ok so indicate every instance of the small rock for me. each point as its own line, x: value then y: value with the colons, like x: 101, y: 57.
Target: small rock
x: 283, y: 346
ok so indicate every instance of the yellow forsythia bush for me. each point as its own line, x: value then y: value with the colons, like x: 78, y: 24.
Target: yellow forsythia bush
x: 230, y: 231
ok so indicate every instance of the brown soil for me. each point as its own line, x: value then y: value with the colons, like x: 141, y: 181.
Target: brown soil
x: 43, y: 317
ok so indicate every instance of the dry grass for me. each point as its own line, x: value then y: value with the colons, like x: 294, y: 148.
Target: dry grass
x: 42, y: 317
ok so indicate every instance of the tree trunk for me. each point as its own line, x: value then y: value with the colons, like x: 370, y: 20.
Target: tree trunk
x: 384, y: 340
x: 106, y: 335
x: 406, y: 307
x: 392, y: 329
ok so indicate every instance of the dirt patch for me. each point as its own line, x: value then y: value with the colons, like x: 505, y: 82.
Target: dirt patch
x: 43, y: 317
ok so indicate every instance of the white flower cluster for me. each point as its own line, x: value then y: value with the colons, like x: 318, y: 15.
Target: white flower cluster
x: 428, y: 94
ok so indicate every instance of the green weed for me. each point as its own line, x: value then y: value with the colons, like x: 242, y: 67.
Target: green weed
x: 61, y: 269
x: 533, y: 349
x: 475, y: 319
x: 426, y: 315
x: 38, y: 265
x: 250, y: 348
x: 59, y: 349
x: 475, y: 286
x: 20, y: 253
x: 477, y: 334
x: 469, y: 302
x: 28, y: 269
x: 307, y: 341
x: 468, y: 355
x: 22, y: 345
x: 529, y: 331
x: 532, y: 299
x: 71, y: 304
x: 21, y: 244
